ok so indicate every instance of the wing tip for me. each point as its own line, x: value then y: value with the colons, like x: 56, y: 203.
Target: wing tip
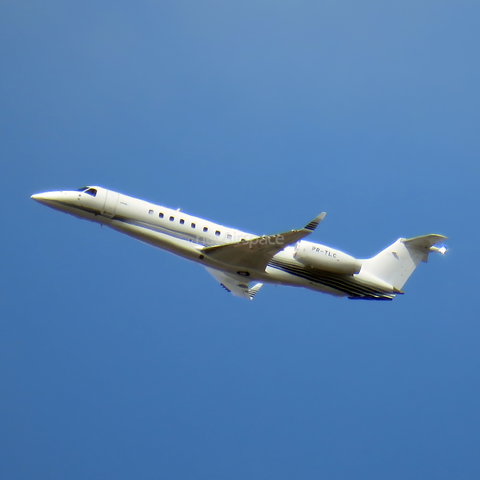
x: 315, y: 222
x: 254, y: 290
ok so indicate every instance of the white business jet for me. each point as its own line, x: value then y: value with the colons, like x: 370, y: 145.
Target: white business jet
x: 242, y: 262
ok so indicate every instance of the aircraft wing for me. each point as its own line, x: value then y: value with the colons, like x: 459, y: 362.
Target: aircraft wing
x: 257, y: 252
x: 235, y: 284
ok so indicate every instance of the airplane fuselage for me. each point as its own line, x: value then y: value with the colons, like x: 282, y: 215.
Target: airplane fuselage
x: 191, y: 237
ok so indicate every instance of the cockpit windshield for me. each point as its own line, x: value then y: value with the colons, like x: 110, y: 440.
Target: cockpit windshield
x: 88, y: 190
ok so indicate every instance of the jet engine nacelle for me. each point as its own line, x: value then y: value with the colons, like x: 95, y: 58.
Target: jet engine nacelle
x: 325, y: 258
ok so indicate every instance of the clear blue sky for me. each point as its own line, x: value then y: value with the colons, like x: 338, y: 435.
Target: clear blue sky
x: 119, y: 361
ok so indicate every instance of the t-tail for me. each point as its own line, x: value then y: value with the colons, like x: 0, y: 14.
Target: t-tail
x: 394, y: 265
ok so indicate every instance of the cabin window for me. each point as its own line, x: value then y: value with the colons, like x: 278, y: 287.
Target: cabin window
x: 92, y: 192
x: 193, y: 225
x: 217, y: 233
x: 229, y: 236
x: 160, y: 215
x: 205, y: 229
x: 182, y: 221
x: 171, y: 219
x: 150, y: 212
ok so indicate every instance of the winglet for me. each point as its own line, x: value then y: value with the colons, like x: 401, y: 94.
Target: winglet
x: 314, y: 223
x: 253, y: 291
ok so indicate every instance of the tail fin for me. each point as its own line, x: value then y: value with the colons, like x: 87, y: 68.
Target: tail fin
x: 396, y: 263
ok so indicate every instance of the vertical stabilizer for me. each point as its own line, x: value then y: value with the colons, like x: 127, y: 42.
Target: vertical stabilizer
x: 396, y: 263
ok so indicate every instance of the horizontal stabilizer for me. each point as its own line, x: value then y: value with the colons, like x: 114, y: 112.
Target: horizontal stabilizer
x: 426, y: 244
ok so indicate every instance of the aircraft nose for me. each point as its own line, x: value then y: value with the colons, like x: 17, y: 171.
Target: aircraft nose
x: 37, y: 197
x: 47, y: 197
